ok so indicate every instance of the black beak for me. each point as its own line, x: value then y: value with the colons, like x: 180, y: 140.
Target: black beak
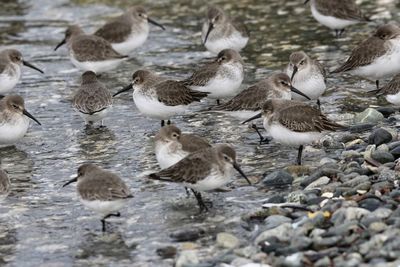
x: 259, y: 115
x: 126, y: 88
x: 236, y: 166
x: 295, y: 69
x: 26, y: 113
x: 306, y: 1
x: 210, y: 28
x: 26, y: 63
x: 60, y: 44
x: 299, y: 92
x: 155, y: 23
x: 74, y: 180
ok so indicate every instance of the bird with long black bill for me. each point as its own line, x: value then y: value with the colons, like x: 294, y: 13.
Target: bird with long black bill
x: 294, y: 123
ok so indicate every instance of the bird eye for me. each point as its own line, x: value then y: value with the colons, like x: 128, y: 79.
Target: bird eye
x: 175, y: 135
x: 15, y: 106
x: 302, y: 62
x: 226, y: 158
x: 284, y: 83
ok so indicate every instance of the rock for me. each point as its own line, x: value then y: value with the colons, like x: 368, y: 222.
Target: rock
x: 328, y: 170
x: 324, y: 180
x: 274, y: 221
x: 383, y: 148
x: 369, y: 115
x: 379, y: 136
x: 359, y: 128
x: 395, y: 152
x: 377, y: 227
x: 227, y: 240
x: 370, y: 203
x: 386, y: 174
x: 356, y: 181
x: 382, y: 157
x: 294, y: 260
x: 346, y: 214
x: 323, y: 262
x: 283, y: 232
x: 277, y: 178
x: 166, y: 252
x: 238, y: 262
x: 189, y: 234
x: 186, y: 258
x: 297, y: 197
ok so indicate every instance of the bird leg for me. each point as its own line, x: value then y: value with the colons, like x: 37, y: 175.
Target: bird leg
x: 299, y: 155
x: 168, y: 122
x: 103, y: 221
x: 319, y: 104
x: 263, y: 140
x: 377, y: 84
x: 218, y: 102
x: 339, y: 33
x: 162, y: 123
x: 202, y: 206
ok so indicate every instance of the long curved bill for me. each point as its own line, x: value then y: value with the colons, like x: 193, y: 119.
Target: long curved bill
x: 155, y: 23
x: 295, y: 69
x: 26, y: 63
x: 60, y: 44
x: 259, y: 115
x: 74, y: 180
x: 299, y: 92
x: 26, y: 113
x: 236, y: 166
x: 210, y: 28
x: 126, y: 88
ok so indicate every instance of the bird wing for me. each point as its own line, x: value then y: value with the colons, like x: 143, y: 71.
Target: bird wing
x: 174, y: 93
x: 192, y: 143
x: 392, y: 88
x: 240, y: 27
x: 115, y: 31
x: 343, y: 9
x: 251, y: 98
x: 92, y: 98
x: 93, y: 48
x: 202, y: 75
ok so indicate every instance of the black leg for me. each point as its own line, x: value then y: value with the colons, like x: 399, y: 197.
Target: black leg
x: 299, y: 155
x: 319, y: 104
x: 168, y: 122
x: 377, y: 84
x: 337, y: 33
x: 263, y: 140
x: 162, y: 123
x: 341, y: 32
x: 103, y: 221
x: 218, y: 102
x: 202, y: 206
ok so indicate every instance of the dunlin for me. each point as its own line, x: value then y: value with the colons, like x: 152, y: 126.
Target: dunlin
x: 90, y: 52
x: 93, y: 101
x: 221, y: 77
x: 251, y: 100
x: 159, y: 98
x: 391, y: 91
x: 101, y: 191
x: 336, y: 14
x: 307, y: 75
x: 171, y: 145
x: 10, y: 69
x: 294, y: 123
x: 128, y: 31
x: 14, y: 121
x: 376, y: 57
x: 204, y: 170
x: 5, y: 185
x: 220, y: 32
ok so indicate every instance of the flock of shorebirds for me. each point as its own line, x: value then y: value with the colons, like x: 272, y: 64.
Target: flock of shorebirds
x: 186, y: 158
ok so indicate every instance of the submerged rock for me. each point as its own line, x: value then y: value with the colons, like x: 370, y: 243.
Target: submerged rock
x: 369, y: 115
x: 277, y: 178
x: 227, y: 240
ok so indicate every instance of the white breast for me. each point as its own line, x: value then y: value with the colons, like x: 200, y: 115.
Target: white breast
x: 168, y: 153
x: 104, y: 207
x: 96, y: 66
x: 234, y: 41
x: 99, y: 116
x: 14, y: 130
x: 134, y: 40
x: 310, y: 83
x: 331, y: 22
x: 8, y: 80
x: 215, y: 180
x: 394, y: 99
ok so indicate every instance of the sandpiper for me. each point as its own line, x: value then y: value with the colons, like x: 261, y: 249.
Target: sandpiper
x: 10, y: 69
x: 307, y: 75
x: 5, y: 185
x: 14, y: 121
x: 391, y: 91
x: 376, y: 57
x: 93, y: 100
x: 128, y: 31
x: 90, y: 52
x: 294, y: 123
x: 204, y: 170
x: 160, y: 98
x: 101, y: 191
x: 336, y: 14
x: 221, y: 77
x: 171, y: 145
x: 220, y: 32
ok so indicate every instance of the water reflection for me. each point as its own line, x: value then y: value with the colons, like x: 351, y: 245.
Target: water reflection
x: 8, y: 242
x: 97, y: 144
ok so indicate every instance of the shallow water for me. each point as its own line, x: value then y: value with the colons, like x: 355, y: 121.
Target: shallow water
x: 44, y: 225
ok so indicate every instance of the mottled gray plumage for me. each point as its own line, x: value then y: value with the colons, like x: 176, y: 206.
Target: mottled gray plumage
x: 92, y: 96
x: 5, y: 184
x: 174, y: 93
x: 392, y: 88
x: 342, y: 9
x: 370, y: 49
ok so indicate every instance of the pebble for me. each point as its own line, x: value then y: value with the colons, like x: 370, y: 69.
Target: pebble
x: 382, y: 157
x: 274, y: 221
x: 283, y: 232
x: 324, y: 180
x: 166, y: 252
x: 189, y: 234
x: 369, y: 115
x: 187, y: 257
x: 227, y: 240
x: 379, y: 136
x: 277, y: 178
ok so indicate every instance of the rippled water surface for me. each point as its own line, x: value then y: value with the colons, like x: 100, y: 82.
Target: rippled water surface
x: 44, y: 225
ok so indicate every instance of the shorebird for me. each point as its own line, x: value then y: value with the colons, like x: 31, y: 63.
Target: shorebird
x: 10, y: 69
x: 220, y: 32
x: 160, y: 98
x: 376, y: 57
x: 101, y: 191
x: 221, y: 77
x: 251, y: 100
x: 128, y: 31
x: 391, y: 91
x: 14, y: 121
x: 204, y: 170
x: 93, y: 100
x: 336, y: 14
x: 90, y: 52
x: 307, y: 75
x: 294, y: 123
x: 171, y: 145
x: 5, y: 185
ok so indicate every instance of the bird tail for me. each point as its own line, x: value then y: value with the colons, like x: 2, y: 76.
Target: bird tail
x: 375, y: 92
x: 155, y: 176
x: 197, y: 95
